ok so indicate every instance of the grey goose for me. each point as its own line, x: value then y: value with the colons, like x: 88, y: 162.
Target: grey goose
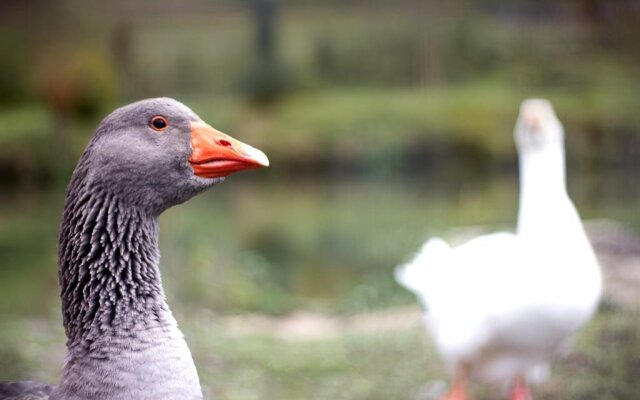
x: 122, y: 339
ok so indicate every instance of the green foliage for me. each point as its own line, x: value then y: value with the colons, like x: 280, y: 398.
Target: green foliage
x: 266, y: 82
x: 80, y: 82
x: 470, y: 51
x: 13, y: 85
x: 383, y: 57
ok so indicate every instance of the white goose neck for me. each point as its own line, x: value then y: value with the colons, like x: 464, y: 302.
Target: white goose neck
x: 543, y: 193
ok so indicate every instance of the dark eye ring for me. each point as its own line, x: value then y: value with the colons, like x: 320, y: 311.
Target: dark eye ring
x: 158, y: 123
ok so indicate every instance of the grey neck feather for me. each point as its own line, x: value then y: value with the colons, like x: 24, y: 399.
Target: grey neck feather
x: 122, y: 339
x: 108, y: 266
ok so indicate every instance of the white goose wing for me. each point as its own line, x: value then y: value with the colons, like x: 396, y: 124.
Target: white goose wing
x: 465, y: 289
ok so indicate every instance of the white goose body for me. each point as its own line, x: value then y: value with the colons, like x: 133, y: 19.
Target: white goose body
x: 500, y: 305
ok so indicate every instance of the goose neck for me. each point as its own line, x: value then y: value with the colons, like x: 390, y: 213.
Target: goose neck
x: 543, y: 195
x: 108, y: 268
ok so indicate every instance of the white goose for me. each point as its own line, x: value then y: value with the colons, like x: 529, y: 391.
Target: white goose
x: 500, y: 305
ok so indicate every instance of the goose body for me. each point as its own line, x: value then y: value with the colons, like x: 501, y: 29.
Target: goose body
x: 122, y: 339
x: 500, y: 305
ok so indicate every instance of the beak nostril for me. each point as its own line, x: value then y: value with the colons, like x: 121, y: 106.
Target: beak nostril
x: 224, y: 143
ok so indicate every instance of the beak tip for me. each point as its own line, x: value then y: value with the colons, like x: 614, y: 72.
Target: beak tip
x: 265, y: 162
x: 258, y: 156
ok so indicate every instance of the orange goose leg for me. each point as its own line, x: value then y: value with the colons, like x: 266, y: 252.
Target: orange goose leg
x: 459, y: 387
x: 520, y: 390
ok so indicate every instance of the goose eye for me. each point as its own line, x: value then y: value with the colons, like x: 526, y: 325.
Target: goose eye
x: 159, y: 123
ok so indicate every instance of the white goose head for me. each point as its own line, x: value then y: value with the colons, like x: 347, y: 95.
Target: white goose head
x: 538, y: 128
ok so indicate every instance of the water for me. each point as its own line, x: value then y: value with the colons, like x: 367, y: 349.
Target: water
x: 272, y: 246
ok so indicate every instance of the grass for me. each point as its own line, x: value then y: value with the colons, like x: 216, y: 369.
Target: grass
x: 394, y: 364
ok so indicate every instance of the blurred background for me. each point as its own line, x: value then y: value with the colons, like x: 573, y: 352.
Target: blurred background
x: 386, y: 122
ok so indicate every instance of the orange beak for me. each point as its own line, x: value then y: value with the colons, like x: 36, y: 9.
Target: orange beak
x: 533, y: 120
x: 215, y: 154
x: 532, y: 116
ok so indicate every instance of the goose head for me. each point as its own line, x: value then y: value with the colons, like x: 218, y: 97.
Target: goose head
x: 537, y: 128
x: 157, y: 153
